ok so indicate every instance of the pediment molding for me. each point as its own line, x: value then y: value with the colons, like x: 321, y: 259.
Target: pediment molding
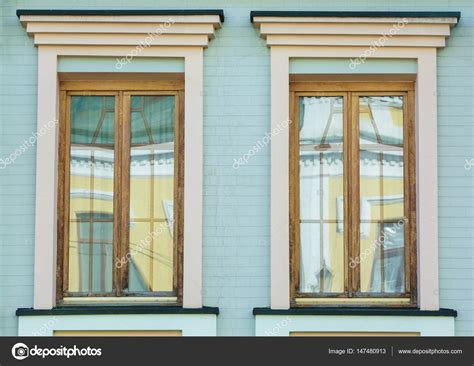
x: 124, y: 28
x: 349, y: 29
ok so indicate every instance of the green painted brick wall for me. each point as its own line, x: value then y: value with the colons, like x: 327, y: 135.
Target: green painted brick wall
x: 237, y: 114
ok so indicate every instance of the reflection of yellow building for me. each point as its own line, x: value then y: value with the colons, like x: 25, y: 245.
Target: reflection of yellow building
x: 381, y: 195
x: 150, y: 252
x: 151, y: 264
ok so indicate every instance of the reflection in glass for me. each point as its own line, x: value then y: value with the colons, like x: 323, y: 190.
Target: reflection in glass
x: 381, y: 194
x: 91, y: 194
x: 321, y: 195
x: 151, y: 193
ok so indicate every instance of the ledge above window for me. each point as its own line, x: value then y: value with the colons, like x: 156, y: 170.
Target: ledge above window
x: 121, y: 27
x: 316, y: 28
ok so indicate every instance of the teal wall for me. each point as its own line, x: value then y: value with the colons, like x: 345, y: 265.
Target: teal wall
x: 237, y: 113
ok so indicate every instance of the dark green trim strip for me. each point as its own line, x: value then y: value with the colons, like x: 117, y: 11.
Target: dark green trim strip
x: 355, y: 311
x: 123, y: 12
x: 103, y: 310
x: 364, y: 14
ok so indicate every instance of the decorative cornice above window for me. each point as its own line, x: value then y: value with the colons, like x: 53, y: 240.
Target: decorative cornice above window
x: 122, y: 27
x: 378, y: 29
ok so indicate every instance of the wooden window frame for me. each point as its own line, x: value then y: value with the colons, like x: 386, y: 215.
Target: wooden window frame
x: 122, y: 90
x: 351, y: 91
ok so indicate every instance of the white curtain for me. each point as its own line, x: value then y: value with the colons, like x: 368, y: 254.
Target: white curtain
x: 315, y: 118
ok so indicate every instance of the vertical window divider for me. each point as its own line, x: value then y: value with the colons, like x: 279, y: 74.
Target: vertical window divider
x: 294, y: 195
x: 125, y: 188
x: 67, y: 181
x: 63, y: 189
x: 354, y: 192
x: 410, y: 195
x: 178, y: 194
x: 346, y: 188
x: 116, y: 209
x: 406, y: 189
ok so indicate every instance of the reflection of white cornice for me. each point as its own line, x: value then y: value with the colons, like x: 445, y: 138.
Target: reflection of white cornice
x: 141, y: 168
x: 334, y: 167
x: 96, y: 194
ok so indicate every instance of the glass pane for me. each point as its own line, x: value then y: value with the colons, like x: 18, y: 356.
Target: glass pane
x: 382, y: 244
x: 151, y: 260
x: 91, y: 194
x: 321, y: 195
x: 321, y: 258
x: 151, y: 193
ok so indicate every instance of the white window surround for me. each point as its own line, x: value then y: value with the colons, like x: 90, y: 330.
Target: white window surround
x: 349, y: 36
x: 109, y: 35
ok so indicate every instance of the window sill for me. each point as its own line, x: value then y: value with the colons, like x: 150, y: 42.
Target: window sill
x: 123, y: 320
x: 357, y: 311
x: 353, y: 302
x: 117, y: 301
x: 354, y: 321
x: 116, y: 309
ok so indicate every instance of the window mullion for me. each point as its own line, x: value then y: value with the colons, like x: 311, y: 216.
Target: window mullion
x: 347, y: 184
x: 63, y: 189
x: 354, y: 193
x: 117, y: 254
x: 410, y: 195
x: 125, y: 187
x: 294, y: 194
x: 178, y: 195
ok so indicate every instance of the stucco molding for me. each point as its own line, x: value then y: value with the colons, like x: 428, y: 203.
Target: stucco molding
x: 101, y: 35
x: 133, y: 30
x: 353, y: 31
x: 350, y: 37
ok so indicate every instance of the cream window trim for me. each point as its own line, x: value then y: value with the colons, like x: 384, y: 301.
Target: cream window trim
x: 61, y: 35
x: 350, y: 37
x: 354, y: 325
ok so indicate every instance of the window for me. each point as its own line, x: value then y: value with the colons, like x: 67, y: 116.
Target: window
x: 352, y: 193
x: 121, y: 190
